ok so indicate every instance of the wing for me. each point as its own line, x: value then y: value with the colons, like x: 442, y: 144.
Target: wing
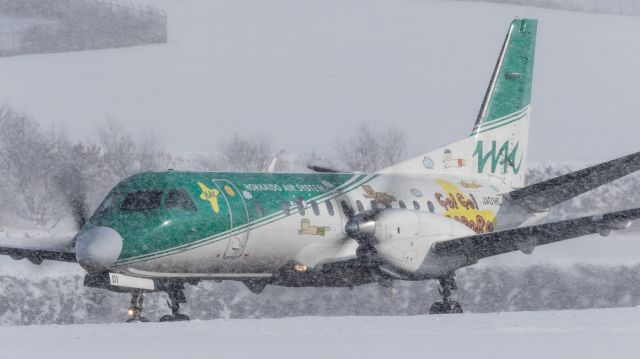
x: 544, y: 195
x: 39, y: 250
x: 526, y: 238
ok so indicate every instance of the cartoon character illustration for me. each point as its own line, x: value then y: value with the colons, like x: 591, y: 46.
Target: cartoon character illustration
x: 428, y: 163
x: 471, y: 184
x: 211, y: 195
x: 307, y: 228
x: 450, y: 162
x: 380, y: 197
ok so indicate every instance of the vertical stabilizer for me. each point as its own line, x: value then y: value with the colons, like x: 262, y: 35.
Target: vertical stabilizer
x: 496, y: 149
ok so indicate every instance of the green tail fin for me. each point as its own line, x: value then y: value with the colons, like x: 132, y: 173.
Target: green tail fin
x: 509, y: 91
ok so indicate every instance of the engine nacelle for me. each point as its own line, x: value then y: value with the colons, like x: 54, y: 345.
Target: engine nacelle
x: 404, y: 239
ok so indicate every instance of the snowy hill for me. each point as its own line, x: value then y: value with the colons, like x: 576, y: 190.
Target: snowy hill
x: 268, y: 67
x: 571, y: 334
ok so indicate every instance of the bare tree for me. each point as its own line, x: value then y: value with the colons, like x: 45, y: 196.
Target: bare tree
x: 368, y: 150
x: 29, y: 157
x: 119, y: 149
x: 246, y: 154
x: 151, y: 155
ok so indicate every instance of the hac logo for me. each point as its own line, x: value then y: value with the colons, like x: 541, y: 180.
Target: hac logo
x: 504, y: 157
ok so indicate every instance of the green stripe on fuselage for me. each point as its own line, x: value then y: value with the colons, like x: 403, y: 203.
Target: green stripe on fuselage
x: 162, y: 231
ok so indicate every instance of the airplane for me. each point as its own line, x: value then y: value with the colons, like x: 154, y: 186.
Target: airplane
x: 418, y: 220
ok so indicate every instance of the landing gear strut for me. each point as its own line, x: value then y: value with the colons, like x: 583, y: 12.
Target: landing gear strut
x: 176, y: 296
x: 135, y: 310
x: 447, y: 306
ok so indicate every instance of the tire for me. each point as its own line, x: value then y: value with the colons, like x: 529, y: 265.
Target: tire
x: 137, y: 320
x: 177, y: 318
x: 441, y: 308
x: 456, y: 308
x: 437, y: 308
x: 181, y: 317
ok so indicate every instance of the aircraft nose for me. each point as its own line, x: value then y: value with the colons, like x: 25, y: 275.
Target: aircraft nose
x: 98, y: 248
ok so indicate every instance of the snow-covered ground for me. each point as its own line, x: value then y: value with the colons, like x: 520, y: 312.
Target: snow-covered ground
x: 582, y: 334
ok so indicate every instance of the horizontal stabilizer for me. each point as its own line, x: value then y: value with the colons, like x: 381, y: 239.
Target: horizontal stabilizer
x: 321, y: 169
x: 544, y: 195
x: 490, y: 244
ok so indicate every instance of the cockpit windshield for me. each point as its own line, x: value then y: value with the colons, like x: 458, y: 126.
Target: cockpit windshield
x: 108, y: 202
x: 178, y: 198
x: 142, y: 201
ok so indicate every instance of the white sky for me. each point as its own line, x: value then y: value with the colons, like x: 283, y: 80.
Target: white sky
x: 307, y: 72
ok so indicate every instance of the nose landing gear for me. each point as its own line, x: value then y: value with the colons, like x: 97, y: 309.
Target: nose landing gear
x: 447, y: 306
x: 176, y: 296
x: 135, y: 309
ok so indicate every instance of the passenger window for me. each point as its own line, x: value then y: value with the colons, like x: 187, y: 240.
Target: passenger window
x: 316, y: 209
x: 416, y: 205
x: 402, y: 204
x: 258, y: 208
x: 300, y: 206
x: 142, y: 201
x: 285, y: 207
x: 359, y: 206
x: 432, y: 209
x: 178, y: 198
x: 329, y: 207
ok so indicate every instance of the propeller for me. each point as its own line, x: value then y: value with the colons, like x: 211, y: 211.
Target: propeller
x: 361, y: 227
x: 72, y: 184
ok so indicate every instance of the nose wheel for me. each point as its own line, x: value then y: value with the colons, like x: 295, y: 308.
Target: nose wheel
x: 176, y: 296
x: 135, y: 309
x: 447, y: 306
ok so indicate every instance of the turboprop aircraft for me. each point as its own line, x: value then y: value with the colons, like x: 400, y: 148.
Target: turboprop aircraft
x: 418, y: 220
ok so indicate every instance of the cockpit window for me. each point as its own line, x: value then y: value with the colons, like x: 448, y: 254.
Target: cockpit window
x: 108, y: 202
x: 178, y: 198
x: 142, y: 201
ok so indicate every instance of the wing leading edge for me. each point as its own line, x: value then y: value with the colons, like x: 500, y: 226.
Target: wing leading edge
x: 36, y: 256
x: 544, y: 195
x: 526, y: 238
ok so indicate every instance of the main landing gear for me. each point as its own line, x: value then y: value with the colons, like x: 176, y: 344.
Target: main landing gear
x: 176, y: 296
x: 135, y: 309
x: 447, y: 306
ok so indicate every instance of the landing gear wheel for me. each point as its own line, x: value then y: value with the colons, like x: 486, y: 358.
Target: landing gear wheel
x: 446, y: 306
x: 449, y: 308
x: 174, y: 318
x: 176, y: 296
x: 135, y: 310
x: 137, y: 320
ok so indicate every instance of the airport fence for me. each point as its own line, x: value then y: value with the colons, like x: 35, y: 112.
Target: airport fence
x: 44, y: 26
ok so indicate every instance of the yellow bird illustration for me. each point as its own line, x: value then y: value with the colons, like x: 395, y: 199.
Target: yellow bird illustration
x: 211, y: 195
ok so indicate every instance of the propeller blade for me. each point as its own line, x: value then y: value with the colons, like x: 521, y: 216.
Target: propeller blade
x: 73, y: 187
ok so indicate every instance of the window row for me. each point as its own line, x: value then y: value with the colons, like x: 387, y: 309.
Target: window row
x: 300, y: 206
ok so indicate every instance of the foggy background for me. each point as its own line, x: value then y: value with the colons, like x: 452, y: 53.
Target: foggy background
x: 356, y: 85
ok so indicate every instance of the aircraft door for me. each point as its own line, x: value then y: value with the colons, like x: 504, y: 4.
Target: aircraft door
x: 238, y: 217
